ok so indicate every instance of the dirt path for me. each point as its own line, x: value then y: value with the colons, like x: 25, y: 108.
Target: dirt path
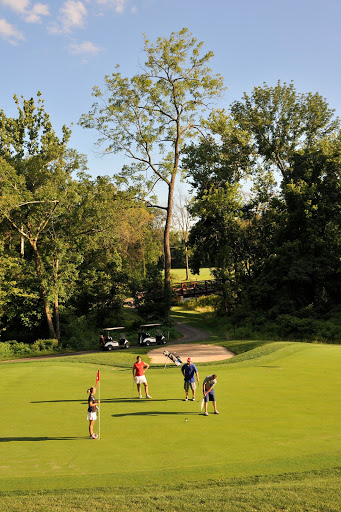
x: 199, y: 353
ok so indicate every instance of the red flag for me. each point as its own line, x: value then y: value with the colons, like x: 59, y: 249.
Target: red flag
x: 97, y: 378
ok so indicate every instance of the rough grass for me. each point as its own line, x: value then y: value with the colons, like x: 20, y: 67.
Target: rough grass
x: 311, y: 491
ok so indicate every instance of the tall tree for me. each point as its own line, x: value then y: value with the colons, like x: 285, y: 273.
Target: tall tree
x: 281, y: 122
x: 277, y: 134
x: 150, y: 116
x: 183, y: 221
x: 34, y: 178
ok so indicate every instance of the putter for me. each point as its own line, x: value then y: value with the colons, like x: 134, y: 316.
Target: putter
x: 132, y: 391
x: 202, y: 405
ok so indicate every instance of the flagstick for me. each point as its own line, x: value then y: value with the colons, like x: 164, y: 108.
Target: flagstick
x: 99, y: 410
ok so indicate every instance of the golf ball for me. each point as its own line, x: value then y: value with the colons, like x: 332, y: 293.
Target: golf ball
x: 186, y: 419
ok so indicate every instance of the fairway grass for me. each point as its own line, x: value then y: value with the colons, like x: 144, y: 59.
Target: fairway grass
x: 178, y: 275
x: 280, y: 415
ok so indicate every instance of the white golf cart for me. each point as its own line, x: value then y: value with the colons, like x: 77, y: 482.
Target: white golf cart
x: 145, y: 338
x: 108, y: 343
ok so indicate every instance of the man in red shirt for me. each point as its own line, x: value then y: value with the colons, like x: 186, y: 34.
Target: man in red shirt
x: 138, y: 373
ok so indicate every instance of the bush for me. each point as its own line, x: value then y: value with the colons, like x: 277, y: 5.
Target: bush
x: 15, y: 348
x: 5, y: 348
x: 43, y: 345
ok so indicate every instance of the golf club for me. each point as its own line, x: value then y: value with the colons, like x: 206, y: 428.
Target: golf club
x: 132, y: 391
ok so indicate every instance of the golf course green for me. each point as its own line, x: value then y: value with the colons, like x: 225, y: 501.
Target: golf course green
x: 280, y: 413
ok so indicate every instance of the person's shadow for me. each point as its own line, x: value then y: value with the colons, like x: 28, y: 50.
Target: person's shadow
x: 39, y: 438
x: 154, y: 413
x: 110, y: 400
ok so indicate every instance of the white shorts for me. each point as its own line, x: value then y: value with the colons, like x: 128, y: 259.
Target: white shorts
x: 141, y: 380
x: 91, y: 416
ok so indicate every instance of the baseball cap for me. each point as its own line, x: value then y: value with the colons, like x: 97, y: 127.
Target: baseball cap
x: 189, y: 359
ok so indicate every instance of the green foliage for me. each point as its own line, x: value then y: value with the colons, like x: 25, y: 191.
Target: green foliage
x: 42, y: 345
x: 149, y: 117
x: 149, y: 296
x: 14, y: 348
x: 68, y: 242
x: 279, y: 252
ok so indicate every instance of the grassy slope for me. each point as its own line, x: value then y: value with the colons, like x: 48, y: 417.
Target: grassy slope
x: 313, y: 492
x: 280, y: 414
x: 179, y: 275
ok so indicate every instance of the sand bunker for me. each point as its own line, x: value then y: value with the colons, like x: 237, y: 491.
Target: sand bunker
x: 199, y: 353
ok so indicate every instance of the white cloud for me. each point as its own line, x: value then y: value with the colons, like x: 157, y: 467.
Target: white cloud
x: 85, y: 48
x: 117, y: 5
x: 16, y: 5
x: 73, y: 15
x: 10, y: 33
x: 54, y: 29
x: 31, y: 14
x: 36, y: 13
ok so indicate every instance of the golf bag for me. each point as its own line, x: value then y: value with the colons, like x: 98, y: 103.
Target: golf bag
x: 173, y: 357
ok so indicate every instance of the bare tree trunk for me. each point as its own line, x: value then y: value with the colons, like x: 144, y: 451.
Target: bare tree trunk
x: 43, y: 290
x: 22, y: 244
x: 56, y: 300
x: 166, y: 243
x: 187, y: 267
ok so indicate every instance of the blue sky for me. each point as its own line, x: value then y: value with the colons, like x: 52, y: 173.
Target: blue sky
x: 65, y: 47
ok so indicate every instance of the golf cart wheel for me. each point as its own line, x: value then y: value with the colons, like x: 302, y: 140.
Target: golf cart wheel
x: 110, y: 347
x: 147, y: 343
x: 126, y: 345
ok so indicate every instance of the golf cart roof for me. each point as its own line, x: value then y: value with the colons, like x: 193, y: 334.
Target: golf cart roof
x: 149, y: 325
x: 112, y: 328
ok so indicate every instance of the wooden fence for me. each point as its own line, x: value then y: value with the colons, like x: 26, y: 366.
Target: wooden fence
x: 195, y: 288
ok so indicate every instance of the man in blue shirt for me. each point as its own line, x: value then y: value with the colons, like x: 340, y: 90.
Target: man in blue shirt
x: 189, y: 371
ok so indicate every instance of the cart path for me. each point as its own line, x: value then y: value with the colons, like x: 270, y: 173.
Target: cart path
x: 191, y: 333
x: 199, y: 353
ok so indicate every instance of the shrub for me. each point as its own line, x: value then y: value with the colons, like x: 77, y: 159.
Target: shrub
x: 5, y: 348
x: 15, y: 348
x: 43, y: 345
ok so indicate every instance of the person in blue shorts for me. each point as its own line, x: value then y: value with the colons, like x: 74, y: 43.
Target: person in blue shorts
x: 207, y: 388
x: 189, y: 371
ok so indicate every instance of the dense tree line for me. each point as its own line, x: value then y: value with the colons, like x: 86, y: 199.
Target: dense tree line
x: 276, y: 250
x: 70, y: 245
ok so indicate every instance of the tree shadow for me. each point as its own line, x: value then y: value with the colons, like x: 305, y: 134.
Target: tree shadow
x: 39, y: 438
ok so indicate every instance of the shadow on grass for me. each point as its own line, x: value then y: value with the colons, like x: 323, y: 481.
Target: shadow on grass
x: 267, y: 366
x: 155, y: 413
x: 39, y: 438
x: 110, y: 400
x: 136, y: 399
x: 59, y: 401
